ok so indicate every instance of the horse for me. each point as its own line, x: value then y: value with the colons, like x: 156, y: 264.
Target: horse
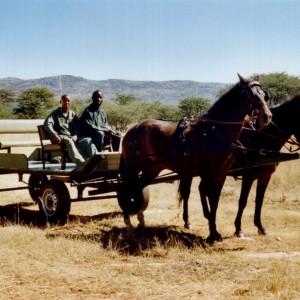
x: 271, y: 139
x: 202, y: 147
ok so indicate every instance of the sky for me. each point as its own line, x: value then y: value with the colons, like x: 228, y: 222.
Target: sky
x: 157, y: 40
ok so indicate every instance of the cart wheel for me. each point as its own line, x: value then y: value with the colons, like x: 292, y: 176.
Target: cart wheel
x: 35, y: 182
x: 54, y: 201
x: 132, y: 202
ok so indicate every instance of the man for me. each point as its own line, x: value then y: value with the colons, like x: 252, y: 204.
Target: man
x: 63, y: 126
x: 95, y: 125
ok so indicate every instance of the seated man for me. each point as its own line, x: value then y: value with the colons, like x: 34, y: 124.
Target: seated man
x: 95, y: 125
x: 63, y: 126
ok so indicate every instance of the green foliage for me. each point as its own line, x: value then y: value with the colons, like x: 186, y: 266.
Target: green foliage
x: 7, y: 96
x: 6, y: 111
x: 194, y: 107
x: 120, y: 117
x: 123, y: 99
x: 78, y: 105
x: 127, y: 109
x: 34, y: 103
x: 281, y: 86
x: 156, y: 110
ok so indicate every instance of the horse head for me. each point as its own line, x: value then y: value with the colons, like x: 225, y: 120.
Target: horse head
x: 257, y: 97
x: 291, y: 120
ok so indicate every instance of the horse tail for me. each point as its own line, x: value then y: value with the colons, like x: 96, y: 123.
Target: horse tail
x: 184, y: 189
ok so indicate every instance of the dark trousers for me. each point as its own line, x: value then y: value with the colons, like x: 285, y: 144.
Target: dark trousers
x: 101, y: 138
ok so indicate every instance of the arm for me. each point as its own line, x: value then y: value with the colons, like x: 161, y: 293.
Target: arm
x: 49, y: 126
x: 103, y: 123
x: 89, y: 123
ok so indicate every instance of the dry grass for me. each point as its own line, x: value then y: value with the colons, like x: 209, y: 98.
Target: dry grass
x: 91, y: 257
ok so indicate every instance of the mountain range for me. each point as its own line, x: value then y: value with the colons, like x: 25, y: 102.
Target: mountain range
x: 166, y: 92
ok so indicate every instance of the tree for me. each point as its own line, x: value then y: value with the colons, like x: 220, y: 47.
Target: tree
x: 34, y: 103
x: 156, y: 110
x: 78, y: 105
x: 194, y: 107
x: 7, y: 96
x: 123, y: 99
x: 280, y: 86
x: 6, y: 111
x: 119, y: 116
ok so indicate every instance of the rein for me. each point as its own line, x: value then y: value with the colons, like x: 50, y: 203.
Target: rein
x: 204, y: 119
x: 290, y: 141
x: 221, y: 122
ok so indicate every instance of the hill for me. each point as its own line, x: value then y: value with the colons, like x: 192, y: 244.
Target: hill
x: 166, y: 92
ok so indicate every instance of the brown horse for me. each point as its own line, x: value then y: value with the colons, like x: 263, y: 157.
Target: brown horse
x: 201, y: 148
x: 270, y: 139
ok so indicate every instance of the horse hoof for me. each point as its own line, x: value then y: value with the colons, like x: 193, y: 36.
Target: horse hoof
x: 239, y: 234
x: 141, y: 226
x: 187, y: 226
x: 262, y: 231
x: 214, y: 238
x: 129, y: 231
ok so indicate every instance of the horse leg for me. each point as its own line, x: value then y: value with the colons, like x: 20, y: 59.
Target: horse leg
x: 141, y: 200
x: 143, y: 194
x: 129, y: 226
x: 245, y: 190
x: 184, y: 190
x: 124, y: 197
x: 260, y: 193
x: 203, y: 197
x: 213, y: 193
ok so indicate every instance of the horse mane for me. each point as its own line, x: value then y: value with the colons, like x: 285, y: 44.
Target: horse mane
x: 287, y: 108
x: 221, y: 104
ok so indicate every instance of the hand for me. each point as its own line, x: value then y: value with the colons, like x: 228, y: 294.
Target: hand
x: 56, y: 139
x: 113, y: 133
x: 74, y: 138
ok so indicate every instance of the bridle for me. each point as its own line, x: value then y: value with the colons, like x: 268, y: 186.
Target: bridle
x: 248, y: 90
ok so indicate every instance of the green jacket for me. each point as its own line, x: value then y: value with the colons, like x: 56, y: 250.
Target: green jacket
x: 94, y: 119
x: 57, y: 123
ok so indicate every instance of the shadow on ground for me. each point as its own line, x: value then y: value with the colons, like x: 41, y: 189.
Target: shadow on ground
x: 22, y: 214
x: 109, y: 237
x: 148, y: 238
x: 138, y: 242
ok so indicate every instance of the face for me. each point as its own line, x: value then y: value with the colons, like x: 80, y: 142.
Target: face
x: 260, y: 109
x: 65, y: 103
x: 97, y: 98
x: 257, y: 98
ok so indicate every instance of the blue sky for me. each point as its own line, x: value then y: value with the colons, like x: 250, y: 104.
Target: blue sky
x: 201, y: 40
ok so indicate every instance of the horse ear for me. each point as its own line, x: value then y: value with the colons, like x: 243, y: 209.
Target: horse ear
x: 267, y: 95
x: 256, y: 78
x: 242, y: 79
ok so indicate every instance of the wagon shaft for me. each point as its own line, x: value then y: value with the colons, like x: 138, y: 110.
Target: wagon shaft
x: 264, y: 160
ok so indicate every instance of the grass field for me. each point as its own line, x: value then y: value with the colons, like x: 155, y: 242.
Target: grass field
x: 91, y: 257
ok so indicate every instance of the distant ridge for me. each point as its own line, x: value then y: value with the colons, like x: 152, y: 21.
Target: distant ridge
x: 166, y: 92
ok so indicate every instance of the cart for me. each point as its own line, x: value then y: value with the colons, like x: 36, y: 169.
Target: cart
x: 98, y: 178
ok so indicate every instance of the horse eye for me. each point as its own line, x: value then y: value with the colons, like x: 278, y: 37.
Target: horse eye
x: 255, y: 113
x: 258, y: 89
